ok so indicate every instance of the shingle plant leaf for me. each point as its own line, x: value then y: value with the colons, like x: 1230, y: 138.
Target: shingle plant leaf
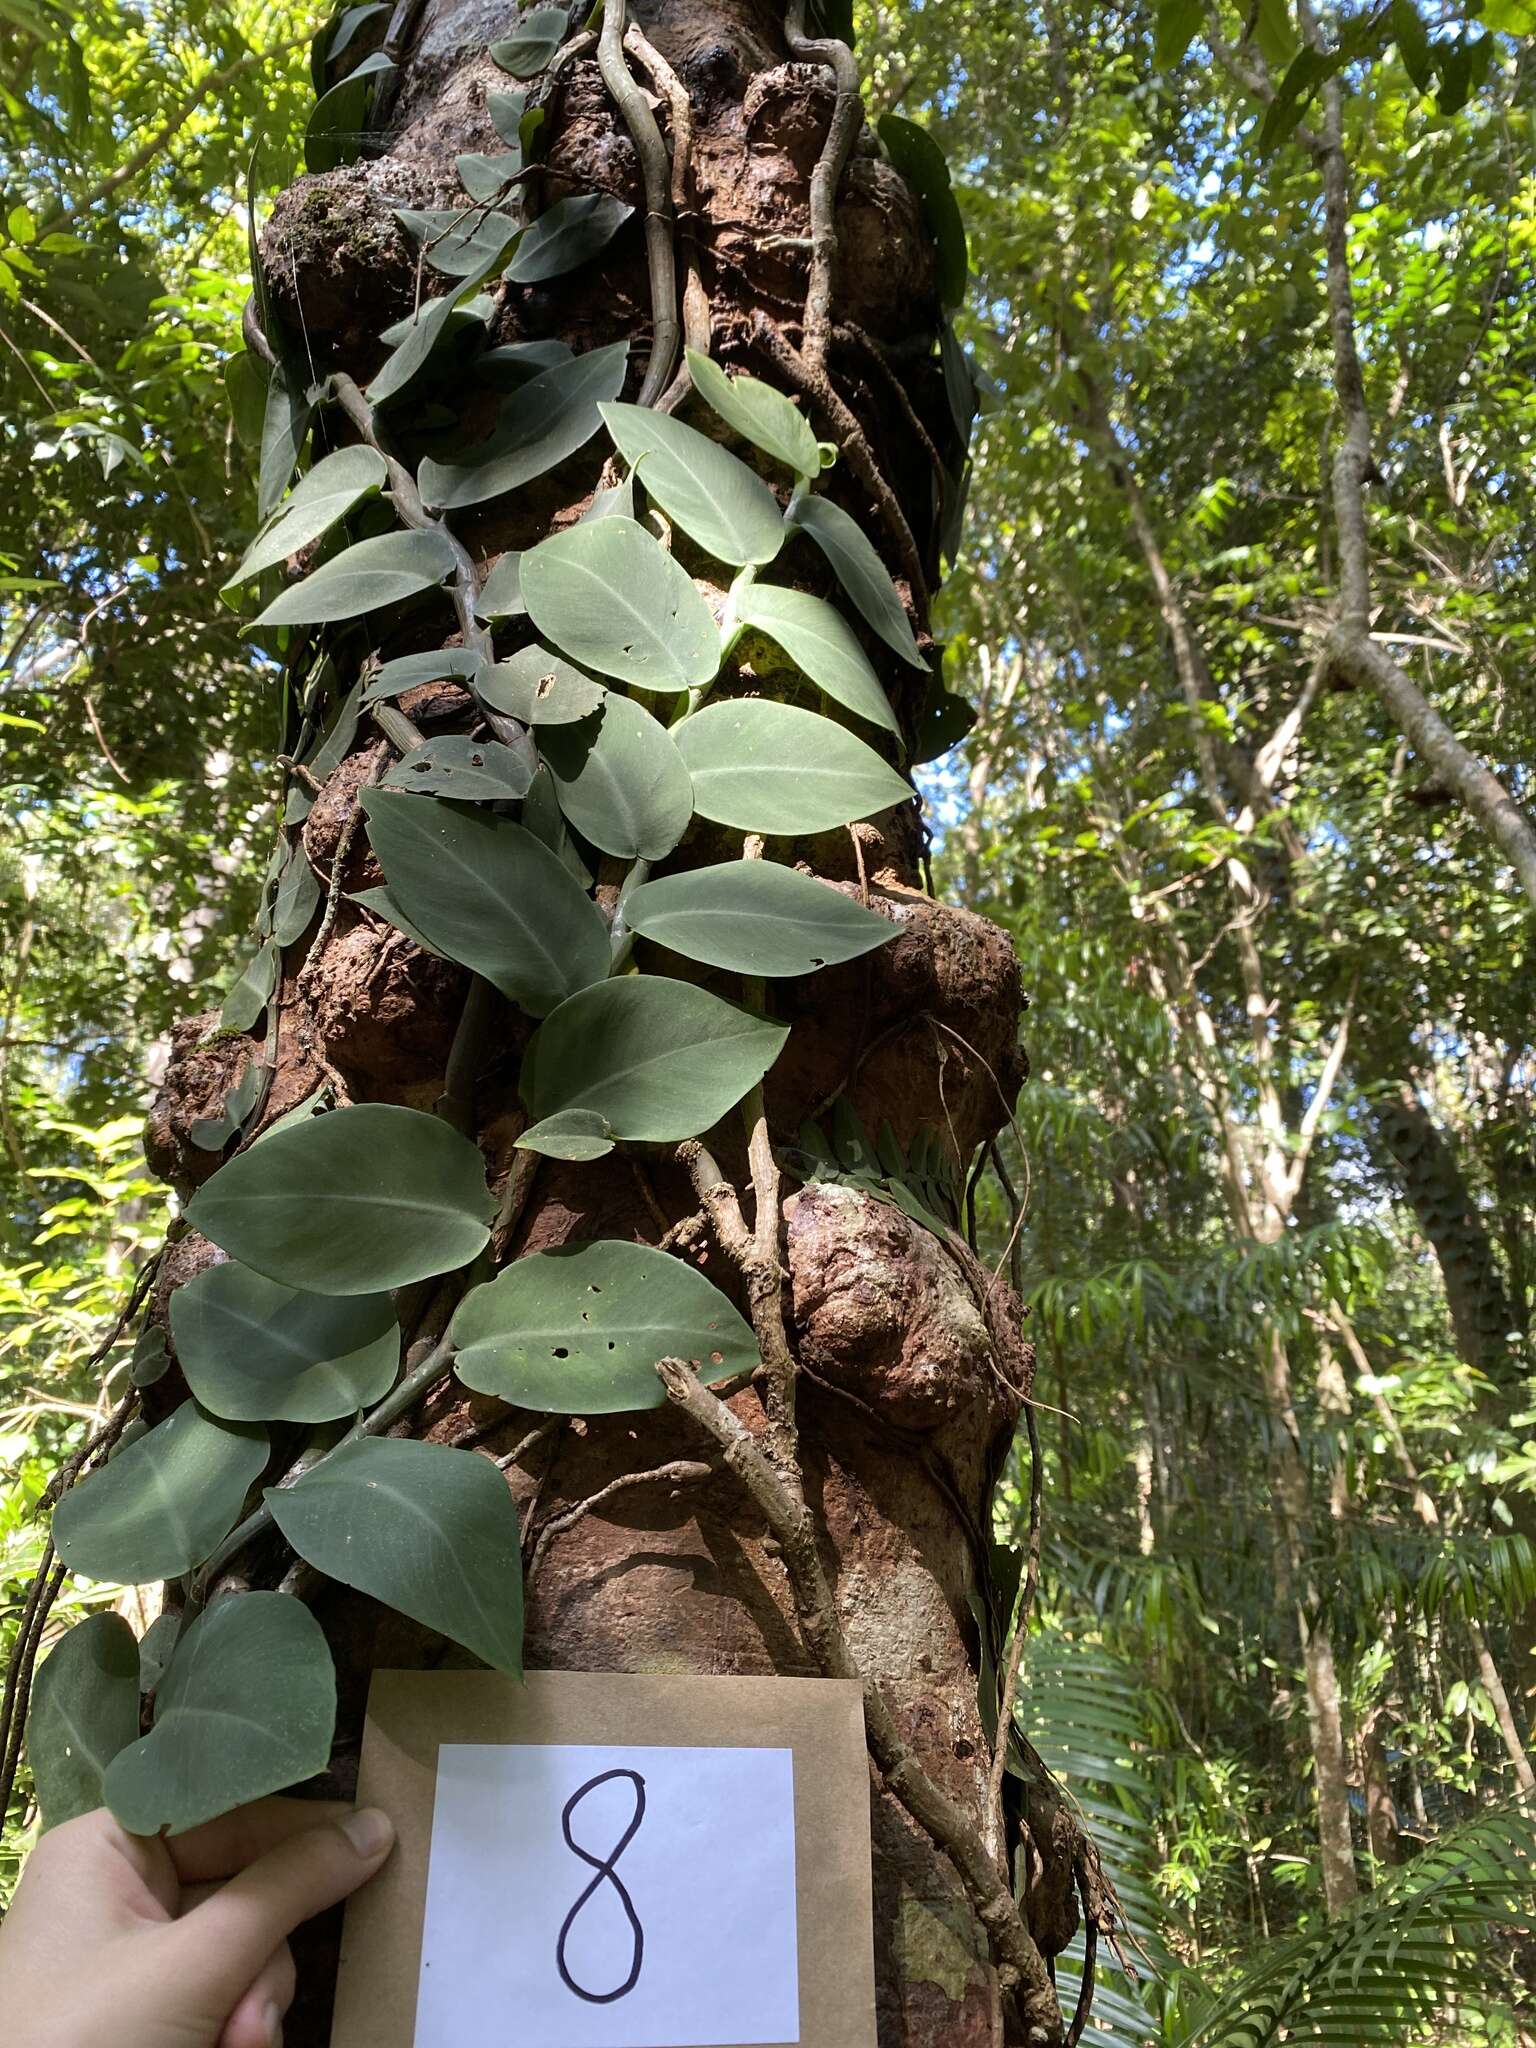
x: 569, y: 1134
x: 363, y: 578
x: 579, y: 1330
x: 251, y: 990
x: 861, y: 572
x: 754, y: 917
x: 163, y: 1503
x: 409, y: 671
x: 460, y: 242
x: 418, y: 339
x: 339, y: 119
x: 758, y: 413
x: 502, y: 596
x: 490, y: 895
x: 922, y: 163
x: 364, y: 1198
x: 660, y: 1060
x: 564, y: 237
x: 533, y: 42
x: 611, y: 597
x: 429, y: 1530
x: 486, y: 177
x: 471, y: 771
x: 765, y: 767
x: 541, y: 424
x: 246, y: 1707
x: 822, y: 645
x: 327, y: 494
x: 284, y: 424
x: 253, y: 1350
x: 714, y: 497
x: 85, y: 1708
x: 539, y: 688
x: 382, y: 904
x: 620, y: 780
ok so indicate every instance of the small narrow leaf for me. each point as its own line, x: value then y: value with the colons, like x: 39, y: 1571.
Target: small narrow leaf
x: 538, y: 427
x: 252, y: 1350
x: 419, y: 337
x: 822, y: 646
x: 247, y: 1707
x: 570, y: 1134
x: 620, y: 780
x: 861, y: 572
x: 754, y: 917
x: 408, y: 671
x: 162, y: 1505
x: 471, y: 771
x: 580, y: 1330
x: 284, y: 426
x: 251, y: 992
x: 765, y: 767
x: 85, y: 1708
x: 502, y: 597
x: 723, y: 505
x: 431, y: 1531
x: 921, y: 162
x: 362, y: 579
x: 760, y: 414
x: 569, y: 234
x: 660, y: 1060
x: 490, y: 895
x: 365, y: 1198
x: 329, y: 492
x: 609, y: 595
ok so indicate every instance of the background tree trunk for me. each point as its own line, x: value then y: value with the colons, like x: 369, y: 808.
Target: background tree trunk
x: 912, y: 1364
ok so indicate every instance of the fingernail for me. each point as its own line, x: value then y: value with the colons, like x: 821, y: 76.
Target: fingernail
x: 272, y: 2025
x: 369, y: 1831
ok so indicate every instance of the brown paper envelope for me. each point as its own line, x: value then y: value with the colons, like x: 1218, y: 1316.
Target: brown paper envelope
x: 820, y: 1721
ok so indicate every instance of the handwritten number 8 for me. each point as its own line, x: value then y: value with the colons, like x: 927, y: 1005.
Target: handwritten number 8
x: 605, y: 1868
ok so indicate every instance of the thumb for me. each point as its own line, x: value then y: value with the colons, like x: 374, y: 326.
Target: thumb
x: 225, y: 1941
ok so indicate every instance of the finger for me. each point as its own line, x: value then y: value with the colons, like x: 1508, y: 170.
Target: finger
x: 257, y: 2021
x: 224, y: 1941
x: 221, y: 1847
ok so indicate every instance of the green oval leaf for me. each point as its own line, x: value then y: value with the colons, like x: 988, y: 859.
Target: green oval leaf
x: 861, y: 572
x: 490, y: 895
x: 362, y: 579
x: 620, y: 780
x: 613, y: 598
x: 569, y: 1134
x: 765, y: 767
x: 533, y: 42
x: 539, y: 688
x: 253, y: 1350
x: 579, y: 1330
x: 754, y: 917
x: 252, y: 990
x: 822, y: 645
x: 247, y: 1706
x: 419, y: 337
x: 85, y: 1708
x: 552, y: 416
x: 760, y: 414
x: 429, y: 1530
x: 659, y: 1060
x: 726, y: 507
x: 461, y: 242
x: 164, y: 1503
x: 363, y: 1198
x: 382, y: 904
x: 567, y: 235
x: 502, y: 597
x: 326, y: 495
x: 472, y: 771
x: 408, y: 671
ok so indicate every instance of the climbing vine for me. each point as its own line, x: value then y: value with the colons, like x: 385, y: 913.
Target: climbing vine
x: 635, y: 676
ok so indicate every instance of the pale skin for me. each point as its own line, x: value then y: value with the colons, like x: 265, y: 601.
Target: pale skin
x: 180, y: 1941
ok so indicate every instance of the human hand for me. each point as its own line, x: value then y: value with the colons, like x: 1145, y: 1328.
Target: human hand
x: 149, y: 1942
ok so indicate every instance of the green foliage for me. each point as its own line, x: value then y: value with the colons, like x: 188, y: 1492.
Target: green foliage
x: 768, y: 767
x: 85, y: 1708
x: 755, y: 918
x: 254, y: 1351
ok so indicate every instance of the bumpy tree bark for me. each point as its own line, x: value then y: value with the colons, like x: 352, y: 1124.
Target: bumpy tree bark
x: 908, y: 1357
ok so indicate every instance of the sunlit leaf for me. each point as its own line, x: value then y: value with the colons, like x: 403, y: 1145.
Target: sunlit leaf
x: 760, y: 414
x: 611, y: 597
x: 714, y: 498
x: 766, y: 767
x: 861, y: 572
x: 364, y: 578
x: 621, y: 781
x: 822, y: 646
x: 754, y: 917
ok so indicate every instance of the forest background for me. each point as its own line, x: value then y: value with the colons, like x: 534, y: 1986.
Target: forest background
x: 1281, y: 1110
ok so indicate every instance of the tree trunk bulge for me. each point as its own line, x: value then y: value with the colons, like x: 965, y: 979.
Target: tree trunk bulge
x: 912, y: 1364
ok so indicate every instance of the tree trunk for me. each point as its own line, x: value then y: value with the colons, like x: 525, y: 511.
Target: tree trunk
x: 910, y: 1363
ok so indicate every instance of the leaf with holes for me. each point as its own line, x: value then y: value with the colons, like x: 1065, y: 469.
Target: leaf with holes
x: 609, y: 595
x: 580, y: 1330
x: 861, y: 572
x: 537, y: 427
x: 163, y: 1503
x: 533, y: 42
x: 430, y: 1531
x: 569, y: 1134
x: 318, y: 501
x: 539, y: 688
x: 822, y: 645
x: 620, y: 780
x: 659, y: 1060
x: 85, y: 1708
x: 723, y: 505
x: 765, y: 767
x: 472, y: 771
x: 754, y: 917
x: 246, y: 1707
x: 490, y: 895
x: 253, y: 1350
x: 368, y: 1197
x: 362, y: 579
x: 760, y: 414
x: 567, y: 235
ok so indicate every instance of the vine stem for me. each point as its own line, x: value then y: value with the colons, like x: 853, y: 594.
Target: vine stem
x: 656, y: 170
x: 997, y: 1838
x: 847, y: 113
